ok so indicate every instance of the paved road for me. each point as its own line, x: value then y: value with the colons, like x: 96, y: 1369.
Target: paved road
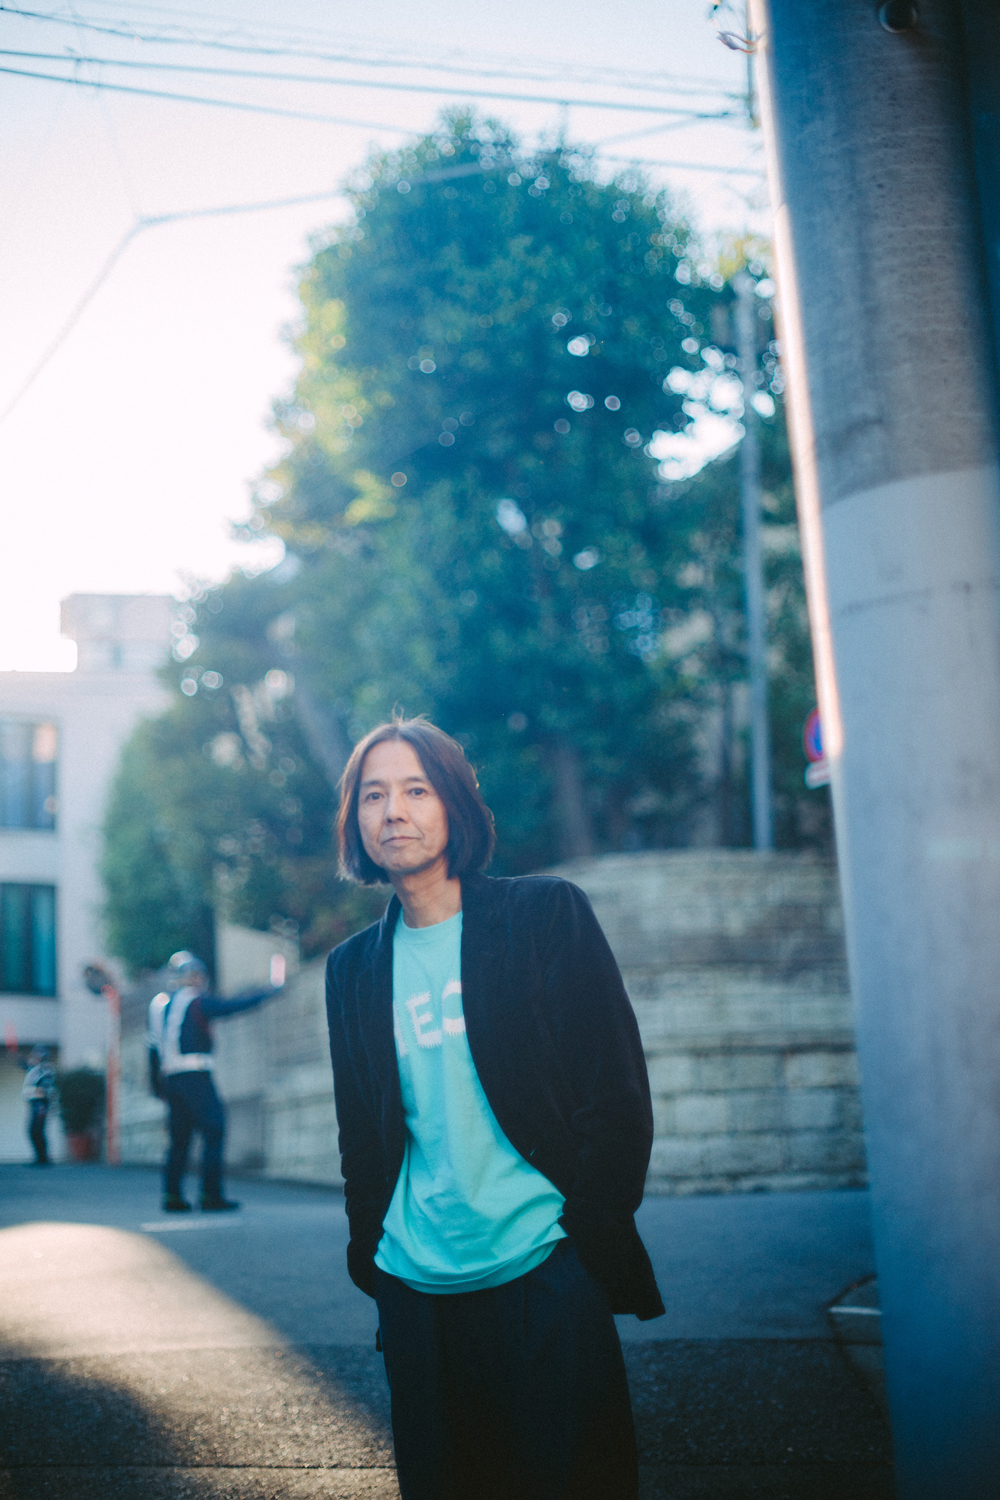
x: 153, y: 1357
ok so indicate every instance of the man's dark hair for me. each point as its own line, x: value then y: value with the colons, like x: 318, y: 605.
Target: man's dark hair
x: 470, y: 823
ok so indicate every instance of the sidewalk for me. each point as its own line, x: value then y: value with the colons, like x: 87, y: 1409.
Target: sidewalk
x: 231, y: 1358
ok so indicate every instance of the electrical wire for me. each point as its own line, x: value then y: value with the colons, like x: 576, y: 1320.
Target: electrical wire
x: 74, y: 317
x: 675, y: 83
x: 355, y: 83
x: 155, y: 221
x: 683, y: 116
x: 633, y: 135
x: 265, y: 109
x: 686, y: 166
x: 256, y: 109
x: 147, y: 221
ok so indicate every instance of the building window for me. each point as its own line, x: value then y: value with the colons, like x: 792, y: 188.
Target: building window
x: 28, y: 939
x: 28, y: 755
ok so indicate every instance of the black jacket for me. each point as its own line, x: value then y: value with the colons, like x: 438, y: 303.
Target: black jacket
x: 557, y: 1051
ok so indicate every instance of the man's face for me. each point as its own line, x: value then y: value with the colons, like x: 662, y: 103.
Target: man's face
x: 403, y: 822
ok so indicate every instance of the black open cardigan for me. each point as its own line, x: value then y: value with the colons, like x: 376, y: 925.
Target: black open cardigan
x: 557, y: 1050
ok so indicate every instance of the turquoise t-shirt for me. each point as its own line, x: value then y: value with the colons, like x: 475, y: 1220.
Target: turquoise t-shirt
x: 468, y: 1212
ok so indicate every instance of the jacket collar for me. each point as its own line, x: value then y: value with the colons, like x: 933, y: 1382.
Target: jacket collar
x: 479, y: 907
x: 482, y: 944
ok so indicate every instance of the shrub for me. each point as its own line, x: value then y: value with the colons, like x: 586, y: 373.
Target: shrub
x: 81, y: 1098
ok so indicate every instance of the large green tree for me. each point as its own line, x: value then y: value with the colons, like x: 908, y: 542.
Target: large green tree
x: 485, y: 535
x: 476, y: 528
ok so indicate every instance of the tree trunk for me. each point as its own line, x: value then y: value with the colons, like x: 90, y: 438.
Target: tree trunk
x: 724, y: 792
x: 323, y: 732
x: 576, y: 836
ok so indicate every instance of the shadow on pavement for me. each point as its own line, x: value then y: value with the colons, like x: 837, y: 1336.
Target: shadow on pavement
x: 198, y: 1423
x: 125, y: 1373
x: 233, y: 1359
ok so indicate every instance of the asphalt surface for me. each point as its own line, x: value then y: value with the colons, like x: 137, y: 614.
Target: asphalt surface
x: 230, y: 1357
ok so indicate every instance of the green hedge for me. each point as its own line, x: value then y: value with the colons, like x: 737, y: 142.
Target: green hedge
x: 81, y: 1099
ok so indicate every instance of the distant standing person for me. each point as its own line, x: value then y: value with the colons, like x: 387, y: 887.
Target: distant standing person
x: 38, y: 1090
x: 495, y: 1129
x: 180, y: 1069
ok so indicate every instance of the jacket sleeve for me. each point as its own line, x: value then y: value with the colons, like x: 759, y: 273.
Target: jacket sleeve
x: 362, y: 1161
x: 612, y: 1118
x: 214, y: 1009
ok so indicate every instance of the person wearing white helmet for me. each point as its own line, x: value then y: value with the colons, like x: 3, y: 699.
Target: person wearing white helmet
x: 38, y: 1090
x: 180, y: 1067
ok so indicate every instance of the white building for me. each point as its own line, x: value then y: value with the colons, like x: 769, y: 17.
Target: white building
x: 61, y: 734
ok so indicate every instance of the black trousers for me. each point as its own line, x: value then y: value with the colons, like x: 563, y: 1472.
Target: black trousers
x: 37, y: 1111
x: 194, y: 1106
x: 515, y: 1393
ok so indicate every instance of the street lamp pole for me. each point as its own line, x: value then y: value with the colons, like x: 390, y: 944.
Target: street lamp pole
x: 892, y: 397
x: 761, y: 800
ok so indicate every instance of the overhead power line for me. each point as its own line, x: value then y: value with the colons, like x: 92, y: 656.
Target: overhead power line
x: 256, y: 109
x: 378, y: 83
x: 632, y: 135
x: 672, y: 82
x: 294, y: 114
x: 155, y: 221
x: 147, y: 221
x: 684, y: 166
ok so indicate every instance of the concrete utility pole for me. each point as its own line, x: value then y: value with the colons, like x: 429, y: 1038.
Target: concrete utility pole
x: 892, y: 381
x: 761, y: 801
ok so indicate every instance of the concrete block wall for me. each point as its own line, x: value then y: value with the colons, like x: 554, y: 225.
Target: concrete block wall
x: 299, y: 1118
x: 735, y: 965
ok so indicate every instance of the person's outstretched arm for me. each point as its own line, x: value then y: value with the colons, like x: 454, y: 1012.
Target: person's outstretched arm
x: 213, y: 1008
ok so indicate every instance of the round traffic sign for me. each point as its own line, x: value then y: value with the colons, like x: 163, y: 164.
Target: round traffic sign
x: 812, y: 739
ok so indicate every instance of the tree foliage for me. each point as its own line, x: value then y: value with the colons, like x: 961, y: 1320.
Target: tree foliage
x: 486, y: 539
x: 477, y: 527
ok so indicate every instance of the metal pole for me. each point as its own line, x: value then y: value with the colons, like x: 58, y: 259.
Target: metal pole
x: 753, y: 571
x: 892, y: 399
x: 752, y: 119
x: 981, y: 25
x: 112, y: 1085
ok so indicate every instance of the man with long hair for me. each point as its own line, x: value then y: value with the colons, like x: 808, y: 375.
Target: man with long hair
x: 495, y: 1129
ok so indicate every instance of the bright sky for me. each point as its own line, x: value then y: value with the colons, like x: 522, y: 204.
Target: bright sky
x: 124, y: 465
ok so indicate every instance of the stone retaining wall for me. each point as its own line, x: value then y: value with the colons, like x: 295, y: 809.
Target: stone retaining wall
x: 735, y: 965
